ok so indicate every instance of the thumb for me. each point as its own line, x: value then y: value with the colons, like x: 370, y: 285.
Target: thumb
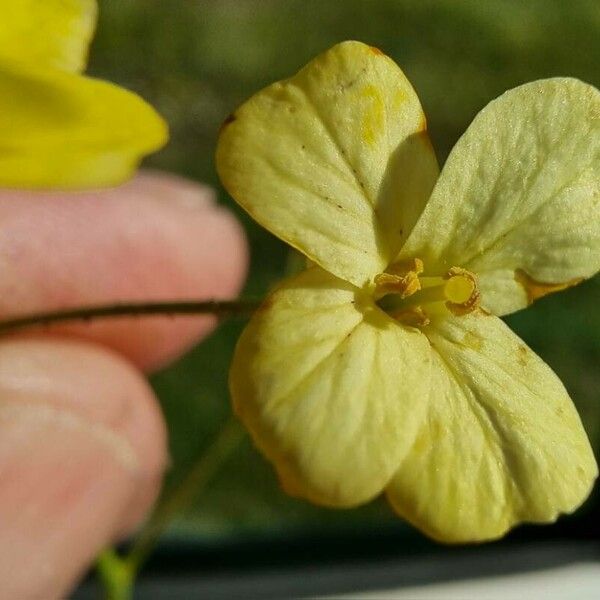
x: 82, y: 451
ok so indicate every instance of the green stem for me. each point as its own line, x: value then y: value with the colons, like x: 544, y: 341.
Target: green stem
x: 183, y: 494
x: 116, y: 574
x: 192, y: 307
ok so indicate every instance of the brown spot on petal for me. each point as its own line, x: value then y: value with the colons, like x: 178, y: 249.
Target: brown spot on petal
x: 538, y: 289
x: 230, y: 119
x: 422, y: 137
x: 523, y: 353
x: 267, y: 303
x: 376, y: 51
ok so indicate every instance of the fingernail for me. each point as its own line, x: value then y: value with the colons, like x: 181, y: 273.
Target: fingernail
x: 175, y: 190
x: 193, y: 197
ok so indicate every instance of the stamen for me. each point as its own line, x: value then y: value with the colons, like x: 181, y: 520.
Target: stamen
x: 415, y: 300
x: 413, y: 317
x: 403, y: 267
x: 401, y: 278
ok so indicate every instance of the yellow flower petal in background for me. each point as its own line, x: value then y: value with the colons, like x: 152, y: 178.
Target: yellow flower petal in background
x: 335, y: 161
x: 52, y: 33
x: 331, y: 388
x: 60, y: 130
x: 502, y: 443
x: 518, y: 201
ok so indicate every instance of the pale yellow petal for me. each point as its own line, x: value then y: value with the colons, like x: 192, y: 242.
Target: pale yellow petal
x: 53, y: 33
x: 335, y: 161
x: 60, y: 130
x: 518, y: 201
x: 331, y: 389
x: 502, y: 444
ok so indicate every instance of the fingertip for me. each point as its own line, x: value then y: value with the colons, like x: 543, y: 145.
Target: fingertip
x: 152, y: 183
x: 157, y: 238
x: 82, y: 452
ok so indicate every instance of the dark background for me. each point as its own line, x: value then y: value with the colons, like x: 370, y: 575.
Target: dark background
x: 196, y: 60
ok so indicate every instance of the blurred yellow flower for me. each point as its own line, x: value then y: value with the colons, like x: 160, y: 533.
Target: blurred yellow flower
x: 59, y: 128
x: 384, y: 365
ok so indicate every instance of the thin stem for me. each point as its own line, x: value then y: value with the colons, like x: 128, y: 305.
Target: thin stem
x: 191, y: 307
x: 182, y: 495
x: 116, y: 574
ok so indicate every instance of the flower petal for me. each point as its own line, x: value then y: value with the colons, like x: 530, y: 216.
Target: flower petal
x: 518, y: 201
x: 52, y: 33
x: 335, y: 161
x: 502, y: 442
x: 330, y: 387
x: 62, y: 130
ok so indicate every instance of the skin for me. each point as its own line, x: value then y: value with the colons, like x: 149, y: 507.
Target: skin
x: 83, y: 445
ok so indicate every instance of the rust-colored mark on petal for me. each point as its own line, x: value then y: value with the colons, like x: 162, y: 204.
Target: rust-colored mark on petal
x: 376, y: 51
x: 422, y: 124
x: 266, y: 304
x: 423, y: 138
x: 230, y: 119
x: 523, y: 355
x: 538, y: 289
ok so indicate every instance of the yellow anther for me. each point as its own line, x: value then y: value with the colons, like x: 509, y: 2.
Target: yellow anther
x: 403, y: 285
x: 413, y: 317
x: 411, y: 265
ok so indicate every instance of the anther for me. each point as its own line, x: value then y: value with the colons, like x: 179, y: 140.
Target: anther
x: 403, y: 267
x: 403, y: 285
x: 413, y: 317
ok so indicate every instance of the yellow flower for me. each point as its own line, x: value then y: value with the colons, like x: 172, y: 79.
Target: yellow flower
x: 59, y: 128
x: 384, y: 366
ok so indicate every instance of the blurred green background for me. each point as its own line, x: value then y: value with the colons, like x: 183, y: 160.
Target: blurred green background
x: 196, y: 60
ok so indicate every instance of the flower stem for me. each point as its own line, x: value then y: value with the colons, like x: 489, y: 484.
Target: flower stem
x: 118, y: 573
x: 227, y: 440
x: 220, y: 308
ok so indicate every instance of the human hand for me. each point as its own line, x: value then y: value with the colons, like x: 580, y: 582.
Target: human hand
x: 82, y: 440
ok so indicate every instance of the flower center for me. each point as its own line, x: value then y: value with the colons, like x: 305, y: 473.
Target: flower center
x: 414, y: 299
